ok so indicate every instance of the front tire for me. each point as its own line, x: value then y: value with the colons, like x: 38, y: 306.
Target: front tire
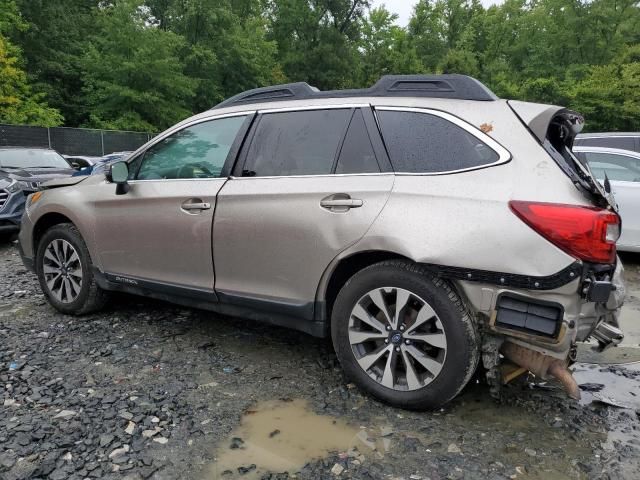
x: 64, y: 270
x: 404, y: 336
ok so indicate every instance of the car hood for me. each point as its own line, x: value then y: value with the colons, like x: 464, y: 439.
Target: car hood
x: 37, y: 174
x: 63, y: 182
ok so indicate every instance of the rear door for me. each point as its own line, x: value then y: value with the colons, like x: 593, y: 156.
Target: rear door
x: 158, y: 234
x: 309, y: 184
x: 623, y: 172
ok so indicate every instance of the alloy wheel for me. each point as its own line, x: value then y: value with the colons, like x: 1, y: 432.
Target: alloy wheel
x: 62, y: 270
x: 397, y: 338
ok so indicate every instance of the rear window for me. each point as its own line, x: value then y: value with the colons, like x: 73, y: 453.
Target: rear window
x: 426, y: 143
x: 623, y: 143
x: 296, y: 143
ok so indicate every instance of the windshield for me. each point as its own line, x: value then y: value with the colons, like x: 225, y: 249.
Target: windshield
x: 31, y: 158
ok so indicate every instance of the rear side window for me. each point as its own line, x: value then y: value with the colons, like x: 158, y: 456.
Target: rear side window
x: 296, y: 143
x: 357, y: 155
x: 425, y: 143
x: 623, y: 143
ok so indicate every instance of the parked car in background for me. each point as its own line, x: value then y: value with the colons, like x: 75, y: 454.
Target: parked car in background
x: 622, y: 168
x: 102, y: 164
x: 621, y: 140
x: 22, y: 170
x: 411, y: 222
x: 81, y: 161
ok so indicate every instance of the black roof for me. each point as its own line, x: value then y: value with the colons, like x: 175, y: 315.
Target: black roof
x: 460, y: 87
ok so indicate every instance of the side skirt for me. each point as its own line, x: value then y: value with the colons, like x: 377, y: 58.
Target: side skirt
x: 296, y: 317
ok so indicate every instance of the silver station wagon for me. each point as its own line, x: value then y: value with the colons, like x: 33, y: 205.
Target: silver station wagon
x: 424, y: 224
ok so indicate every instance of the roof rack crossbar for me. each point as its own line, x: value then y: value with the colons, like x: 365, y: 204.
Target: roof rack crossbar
x: 459, y: 87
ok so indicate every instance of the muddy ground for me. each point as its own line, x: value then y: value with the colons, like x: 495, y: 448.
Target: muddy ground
x: 150, y: 390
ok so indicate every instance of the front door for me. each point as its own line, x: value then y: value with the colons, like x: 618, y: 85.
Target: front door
x: 310, y: 186
x: 160, y: 230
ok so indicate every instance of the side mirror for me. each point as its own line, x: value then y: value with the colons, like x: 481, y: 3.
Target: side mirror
x: 119, y: 174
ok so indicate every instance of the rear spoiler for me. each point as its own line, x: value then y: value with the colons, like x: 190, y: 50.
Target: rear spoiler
x: 538, y: 117
x: 556, y: 128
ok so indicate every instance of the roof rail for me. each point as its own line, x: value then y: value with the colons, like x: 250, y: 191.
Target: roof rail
x: 460, y: 87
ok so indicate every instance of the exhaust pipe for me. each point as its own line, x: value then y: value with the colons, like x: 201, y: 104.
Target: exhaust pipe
x: 542, y: 366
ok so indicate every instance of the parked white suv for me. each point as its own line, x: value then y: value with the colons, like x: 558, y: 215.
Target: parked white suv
x: 423, y: 224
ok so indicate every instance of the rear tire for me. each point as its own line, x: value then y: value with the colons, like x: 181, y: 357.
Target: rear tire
x: 65, y: 273
x: 418, y: 358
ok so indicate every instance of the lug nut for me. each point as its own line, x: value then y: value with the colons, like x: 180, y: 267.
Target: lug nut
x: 407, y: 342
x: 401, y: 327
x: 386, y: 340
x: 388, y: 327
x: 397, y: 349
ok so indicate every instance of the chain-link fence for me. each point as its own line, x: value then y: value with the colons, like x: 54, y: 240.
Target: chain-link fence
x: 72, y: 141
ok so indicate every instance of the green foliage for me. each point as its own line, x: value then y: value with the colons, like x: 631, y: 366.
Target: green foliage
x: 133, y: 72
x: 144, y: 64
x: 384, y: 48
x: 18, y: 104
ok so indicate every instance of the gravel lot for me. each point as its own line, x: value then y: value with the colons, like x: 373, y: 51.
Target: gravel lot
x: 150, y: 390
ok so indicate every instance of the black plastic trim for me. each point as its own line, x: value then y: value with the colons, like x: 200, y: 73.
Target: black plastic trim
x: 270, y: 311
x: 269, y: 305
x: 236, y: 146
x: 161, y: 287
x: 379, y: 148
x: 459, y: 87
x: 564, y: 276
x: 530, y: 314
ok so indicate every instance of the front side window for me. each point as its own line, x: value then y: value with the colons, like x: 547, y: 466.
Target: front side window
x: 426, y: 143
x: 617, y: 167
x: 199, y: 151
x: 296, y: 143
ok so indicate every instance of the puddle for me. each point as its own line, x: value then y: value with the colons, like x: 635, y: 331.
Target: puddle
x: 612, y: 356
x: 278, y: 436
x: 630, y: 314
x: 512, y: 435
x: 622, y: 389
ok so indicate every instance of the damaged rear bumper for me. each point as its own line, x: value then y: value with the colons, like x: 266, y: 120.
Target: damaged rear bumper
x: 538, y: 330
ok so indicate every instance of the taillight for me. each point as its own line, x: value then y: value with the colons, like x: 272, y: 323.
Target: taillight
x: 587, y: 233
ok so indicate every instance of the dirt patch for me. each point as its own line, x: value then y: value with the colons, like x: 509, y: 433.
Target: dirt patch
x: 150, y: 390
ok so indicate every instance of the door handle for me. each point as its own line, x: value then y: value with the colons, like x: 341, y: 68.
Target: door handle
x: 340, y: 202
x: 188, y: 205
x: 350, y: 203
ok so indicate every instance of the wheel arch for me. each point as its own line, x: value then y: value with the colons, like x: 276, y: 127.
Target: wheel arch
x: 44, y: 223
x: 341, y: 270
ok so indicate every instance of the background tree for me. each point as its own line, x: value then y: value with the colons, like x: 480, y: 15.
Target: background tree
x: 18, y: 104
x: 143, y: 64
x: 133, y: 72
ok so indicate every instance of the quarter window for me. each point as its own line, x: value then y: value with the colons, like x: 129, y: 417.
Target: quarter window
x: 199, y: 151
x: 425, y: 143
x: 296, y: 143
x: 357, y: 155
